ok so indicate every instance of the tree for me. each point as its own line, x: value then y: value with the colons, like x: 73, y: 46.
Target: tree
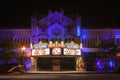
x: 109, y: 49
x: 8, y: 49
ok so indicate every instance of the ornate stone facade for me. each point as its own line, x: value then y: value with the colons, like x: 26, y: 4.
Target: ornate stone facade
x: 58, y: 27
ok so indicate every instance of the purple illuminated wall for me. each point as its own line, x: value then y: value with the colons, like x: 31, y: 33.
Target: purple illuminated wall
x: 55, y: 27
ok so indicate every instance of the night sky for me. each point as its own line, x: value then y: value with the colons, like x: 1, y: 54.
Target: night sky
x: 99, y: 14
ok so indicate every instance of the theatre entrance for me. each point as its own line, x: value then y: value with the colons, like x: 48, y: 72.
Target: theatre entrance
x: 56, y: 63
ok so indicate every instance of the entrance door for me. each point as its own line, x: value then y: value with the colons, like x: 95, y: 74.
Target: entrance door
x: 44, y: 64
x: 56, y: 65
x: 68, y: 64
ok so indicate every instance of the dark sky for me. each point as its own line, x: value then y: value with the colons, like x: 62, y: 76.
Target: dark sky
x: 99, y: 14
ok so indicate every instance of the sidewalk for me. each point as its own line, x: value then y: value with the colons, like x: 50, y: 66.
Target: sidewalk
x: 67, y: 72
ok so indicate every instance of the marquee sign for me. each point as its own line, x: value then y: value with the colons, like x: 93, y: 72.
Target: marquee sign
x: 37, y: 52
x: 72, y: 49
x: 40, y: 49
x: 56, y: 48
x: 56, y: 51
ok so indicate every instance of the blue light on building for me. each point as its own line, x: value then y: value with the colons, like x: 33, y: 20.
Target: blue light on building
x: 13, y: 61
x: 28, y: 63
x: 78, y: 31
x: 99, y: 64
x: 111, y: 63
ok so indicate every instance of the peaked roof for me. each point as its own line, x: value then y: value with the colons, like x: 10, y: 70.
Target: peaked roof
x: 56, y: 17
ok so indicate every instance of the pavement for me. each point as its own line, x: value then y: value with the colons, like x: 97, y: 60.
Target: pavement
x: 68, y: 72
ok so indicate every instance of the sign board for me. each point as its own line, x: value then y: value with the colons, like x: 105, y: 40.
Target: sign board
x: 37, y: 52
x: 56, y: 51
x: 72, y: 51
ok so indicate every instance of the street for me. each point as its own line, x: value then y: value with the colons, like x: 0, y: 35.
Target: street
x: 61, y: 77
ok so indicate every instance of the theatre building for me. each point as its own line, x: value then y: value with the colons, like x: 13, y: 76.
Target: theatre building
x: 59, y: 43
x: 56, y: 44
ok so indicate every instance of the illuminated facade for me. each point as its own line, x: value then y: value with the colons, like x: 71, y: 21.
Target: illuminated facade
x: 57, y: 42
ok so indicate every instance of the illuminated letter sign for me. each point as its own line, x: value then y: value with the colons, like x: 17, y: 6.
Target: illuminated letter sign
x: 36, y: 52
x: 56, y: 51
x: 40, y: 49
x: 72, y: 51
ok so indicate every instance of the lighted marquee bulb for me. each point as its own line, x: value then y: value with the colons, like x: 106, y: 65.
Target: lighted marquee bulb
x: 50, y: 44
x: 31, y: 46
x: 56, y: 43
x: 40, y: 42
x: 59, y: 45
x: 53, y: 45
x: 80, y: 45
x: 72, y: 42
x: 62, y: 44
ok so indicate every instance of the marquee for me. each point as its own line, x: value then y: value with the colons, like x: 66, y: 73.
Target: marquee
x: 56, y: 48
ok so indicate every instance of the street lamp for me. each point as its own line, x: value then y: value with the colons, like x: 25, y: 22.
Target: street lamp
x: 23, y: 49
